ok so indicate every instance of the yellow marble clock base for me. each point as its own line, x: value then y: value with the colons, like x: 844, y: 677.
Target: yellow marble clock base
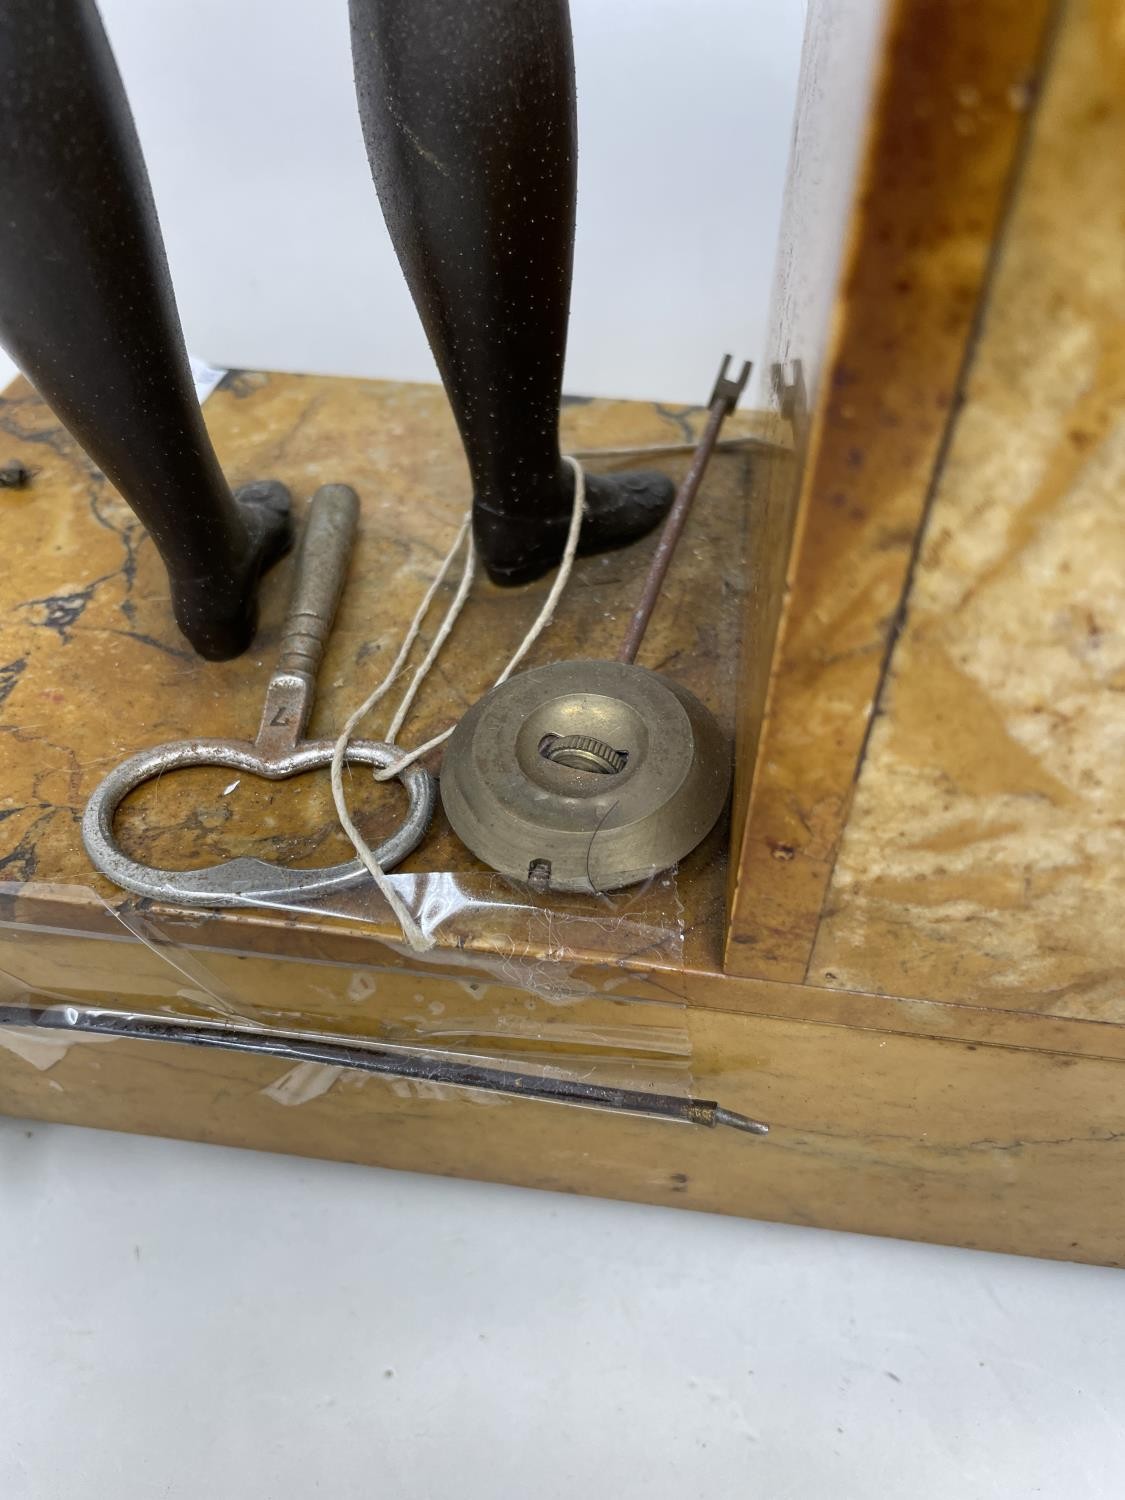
x: 935, y: 1119
x: 878, y: 1133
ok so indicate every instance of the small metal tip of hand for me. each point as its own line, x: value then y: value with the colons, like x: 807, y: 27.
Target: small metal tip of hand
x: 740, y: 1122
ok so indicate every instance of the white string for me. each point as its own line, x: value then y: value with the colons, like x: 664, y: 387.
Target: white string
x: 413, y: 933
x: 410, y: 929
x: 542, y: 620
x: 431, y: 655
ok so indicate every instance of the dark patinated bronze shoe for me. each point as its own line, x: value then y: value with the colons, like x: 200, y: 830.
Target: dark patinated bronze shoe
x: 620, y: 509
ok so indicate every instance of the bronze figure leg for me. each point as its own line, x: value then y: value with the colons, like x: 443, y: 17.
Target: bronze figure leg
x: 468, y: 115
x: 87, y: 312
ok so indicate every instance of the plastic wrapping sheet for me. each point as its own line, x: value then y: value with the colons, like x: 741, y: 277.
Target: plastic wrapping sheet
x: 536, y: 942
x: 502, y: 1018
x: 560, y: 948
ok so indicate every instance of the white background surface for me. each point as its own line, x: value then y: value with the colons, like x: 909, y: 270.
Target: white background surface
x: 246, y: 112
x: 247, y: 118
x: 183, y: 1321
x: 197, y: 1323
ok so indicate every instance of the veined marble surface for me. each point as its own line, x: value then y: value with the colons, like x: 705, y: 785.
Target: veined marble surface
x: 92, y: 667
x: 984, y: 859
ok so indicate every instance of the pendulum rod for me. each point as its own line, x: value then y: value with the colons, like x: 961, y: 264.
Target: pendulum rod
x: 724, y: 398
x: 365, y: 1058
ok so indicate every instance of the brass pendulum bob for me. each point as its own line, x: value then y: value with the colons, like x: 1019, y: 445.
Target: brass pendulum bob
x: 594, y: 775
